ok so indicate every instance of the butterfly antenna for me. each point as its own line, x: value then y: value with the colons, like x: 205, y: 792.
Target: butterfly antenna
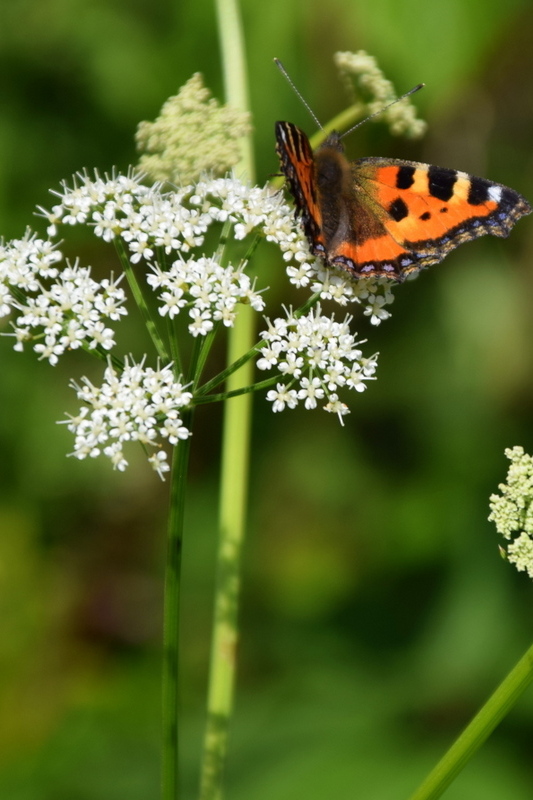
x: 381, y: 110
x: 284, y: 72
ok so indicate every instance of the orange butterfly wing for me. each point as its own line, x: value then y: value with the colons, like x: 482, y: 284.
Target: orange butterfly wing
x: 385, y: 217
x: 298, y: 166
x: 428, y: 210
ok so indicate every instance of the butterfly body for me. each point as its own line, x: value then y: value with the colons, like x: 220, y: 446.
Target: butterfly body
x: 385, y: 217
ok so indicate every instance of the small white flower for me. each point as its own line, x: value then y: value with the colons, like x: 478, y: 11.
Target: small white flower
x: 281, y: 397
x: 202, y: 322
x: 115, y: 454
x: 334, y: 406
x: 311, y: 391
x: 292, y: 365
x: 158, y: 462
x: 374, y: 308
x: 356, y: 379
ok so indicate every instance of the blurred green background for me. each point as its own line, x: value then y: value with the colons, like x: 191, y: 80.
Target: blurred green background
x: 377, y: 614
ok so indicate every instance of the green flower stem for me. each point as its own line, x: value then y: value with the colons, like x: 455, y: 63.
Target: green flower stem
x: 174, y: 349
x: 350, y: 116
x: 235, y: 74
x: 494, y: 710
x: 141, y: 303
x: 233, y: 496
x: 235, y: 459
x: 203, y: 353
x: 229, y: 371
x: 224, y: 236
x: 239, y: 362
x: 199, y: 345
x: 254, y: 387
x: 254, y: 244
x: 104, y: 355
x: 170, y: 698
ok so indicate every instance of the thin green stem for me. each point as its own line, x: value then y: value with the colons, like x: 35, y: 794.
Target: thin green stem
x: 254, y: 387
x: 222, y: 242
x: 235, y: 461
x: 203, y: 354
x: 254, y: 244
x: 235, y: 74
x: 170, y: 770
x: 242, y: 360
x: 345, y: 119
x: 494, y: 710
x: 104, y: 355
x: 174, y: 349
x: 141, y: 303
x: 229, y: 371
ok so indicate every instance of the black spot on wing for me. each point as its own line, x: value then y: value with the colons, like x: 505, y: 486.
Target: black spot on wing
x: 398, y: 210
x: 441, y: 182
x: 425, y: 216
x: 478, y: 192
x: 405, y: 177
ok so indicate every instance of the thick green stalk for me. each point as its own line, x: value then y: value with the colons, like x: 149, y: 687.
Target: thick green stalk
x: 170, y: 770
x: 235, y: 459
x: 471, y: 739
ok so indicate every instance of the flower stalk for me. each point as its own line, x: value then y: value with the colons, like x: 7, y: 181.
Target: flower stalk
x: 171, y: 619
x: 479, y: 729
x: 234, y: 465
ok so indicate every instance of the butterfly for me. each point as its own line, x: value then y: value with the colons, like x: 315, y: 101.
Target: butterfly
x: 382, y: 217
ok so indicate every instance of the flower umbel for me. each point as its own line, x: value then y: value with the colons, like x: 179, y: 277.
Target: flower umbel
x: 512, y: 510
x: 316, y: 357
x: 139, y: 404
x: 58, y: 309
x: 193, y: 134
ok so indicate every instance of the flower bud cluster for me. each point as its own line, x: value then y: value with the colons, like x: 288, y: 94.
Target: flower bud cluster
x: 512, y: 510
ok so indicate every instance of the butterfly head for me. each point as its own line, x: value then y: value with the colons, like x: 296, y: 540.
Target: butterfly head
x: 333, y: 142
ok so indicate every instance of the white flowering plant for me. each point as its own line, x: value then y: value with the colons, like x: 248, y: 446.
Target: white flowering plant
x: 159, y: 234
x: 185, y: 241
x: 185, y: 232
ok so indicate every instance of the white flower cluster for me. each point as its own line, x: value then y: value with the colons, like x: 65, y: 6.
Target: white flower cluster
x: 512, y: 511
x: 210, y: 291
x: 60, y: 310
x: 316, y: 357
x: 138, y: 404
x: 150, y: 220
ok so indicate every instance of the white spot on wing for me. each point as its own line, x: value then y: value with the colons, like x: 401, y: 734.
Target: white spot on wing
x: 495, y: 193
